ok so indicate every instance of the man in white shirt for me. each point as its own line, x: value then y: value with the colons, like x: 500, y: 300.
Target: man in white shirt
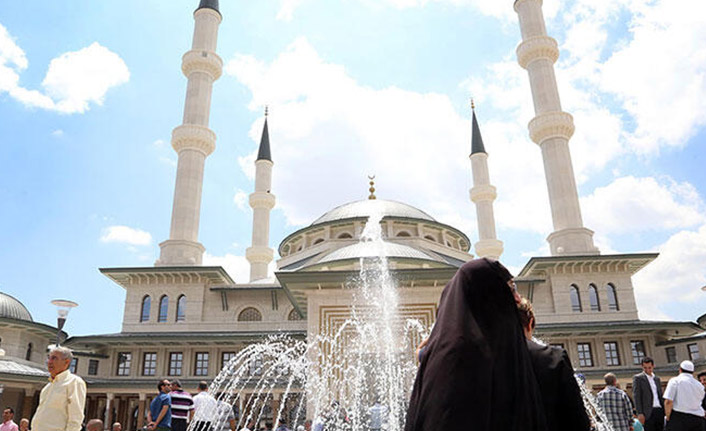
x: 62, y: 400
x: 682, y: 401
x: 205, y: 408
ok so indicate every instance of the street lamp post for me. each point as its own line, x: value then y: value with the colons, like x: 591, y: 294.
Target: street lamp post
x: 63, y: 308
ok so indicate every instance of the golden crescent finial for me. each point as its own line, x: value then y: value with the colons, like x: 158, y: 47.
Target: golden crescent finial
x: 372, y: 187
x: 267, y: 110
x: 473, y: 105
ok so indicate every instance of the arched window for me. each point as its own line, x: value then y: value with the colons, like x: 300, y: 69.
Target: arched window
x: 250, y: 314
x: 28, y: 355
x: 163, y: 308
x: 285, y: 250
x: 344, y: 235
x: 181, y: 309
x: 318, y: 241
x: 403, y: 233
x: 146, y: 303
x: 612, y: 298
x: 593, y: 298
x: 575, y: 299
x: 430, y: 238
x: 294, y: 315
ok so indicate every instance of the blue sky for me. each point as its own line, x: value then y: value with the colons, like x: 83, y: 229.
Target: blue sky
x: 90, y: 91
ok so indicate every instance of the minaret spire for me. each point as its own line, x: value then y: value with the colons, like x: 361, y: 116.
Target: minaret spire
x: 261, y: 201
x: 551, y: 129
x: 193, y: 140
x: 483, y: 195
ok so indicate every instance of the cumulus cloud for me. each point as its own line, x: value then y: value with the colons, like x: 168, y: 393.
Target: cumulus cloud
x: 74, y: 80
x: 287, y: 8
x: 240, y: 199
x: 320, y: 114
x: 675, y: 276
x: 126, y: 235
x: 630, y: 204
x: 236, y: 266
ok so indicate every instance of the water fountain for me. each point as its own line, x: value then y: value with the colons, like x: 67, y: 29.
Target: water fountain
x: 338, y: 376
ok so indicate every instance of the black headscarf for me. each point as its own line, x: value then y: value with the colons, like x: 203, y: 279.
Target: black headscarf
x: 475, y: 372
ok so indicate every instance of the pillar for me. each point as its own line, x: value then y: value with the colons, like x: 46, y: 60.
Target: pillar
x: 551, y: 129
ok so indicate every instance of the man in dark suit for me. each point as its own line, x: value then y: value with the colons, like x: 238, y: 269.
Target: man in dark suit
x: 647, y: 393
x: 561, y: 396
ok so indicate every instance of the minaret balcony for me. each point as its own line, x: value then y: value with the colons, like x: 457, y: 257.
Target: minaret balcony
x: 535, y: 48
x: 551, y: 125
x: 259, y: 254
x: 262, y: 200
x: 193, y: 137
x: 202, y: 61
x: 483, y: 193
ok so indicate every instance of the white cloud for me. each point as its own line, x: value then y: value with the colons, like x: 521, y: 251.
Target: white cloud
x: 287, y: 8
x: 74, y: 81
x: 237, y: 267
x: 631, y: 204
x: 159, y: 143
x: 321, y: 116
x: 676, y: 276
x: 240, y: 199
x: 77, y: 79
x: 126, y: 235
x: 58, y: 133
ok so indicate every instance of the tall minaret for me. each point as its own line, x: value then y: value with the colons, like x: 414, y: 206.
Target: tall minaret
x: 193, y: 140
x: 551, y: 129
x: 261, y: 201
x: 483, y: 194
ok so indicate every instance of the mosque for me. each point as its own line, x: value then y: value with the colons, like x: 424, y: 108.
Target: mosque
x: 185, y: 320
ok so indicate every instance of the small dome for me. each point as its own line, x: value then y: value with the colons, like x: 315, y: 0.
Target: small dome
x: 368, y: 207
x: 372, y: 249
x: 11, y: 308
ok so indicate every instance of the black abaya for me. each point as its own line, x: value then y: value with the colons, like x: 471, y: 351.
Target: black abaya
x: 475, y: 373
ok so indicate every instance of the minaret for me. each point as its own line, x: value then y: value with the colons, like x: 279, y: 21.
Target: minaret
x: 193, y: 140
x: 483, y: 194
x: 261, y: 201
x: 551, y: 129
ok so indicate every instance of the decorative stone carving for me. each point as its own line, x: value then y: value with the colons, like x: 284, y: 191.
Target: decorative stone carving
x: 193, y: 137
x: 535, y: 48
x: 202, y: 61
x: 483, y: 193
x: 551, y: 125
x: 262, y: 200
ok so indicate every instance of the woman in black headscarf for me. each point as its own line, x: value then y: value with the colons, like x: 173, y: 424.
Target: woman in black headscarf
x: 475, y: 372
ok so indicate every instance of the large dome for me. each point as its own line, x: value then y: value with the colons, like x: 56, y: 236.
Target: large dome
x: 13, y: 309
x: 368, y: 207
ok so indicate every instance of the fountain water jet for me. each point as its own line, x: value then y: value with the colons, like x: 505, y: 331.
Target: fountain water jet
x: 336, y: 376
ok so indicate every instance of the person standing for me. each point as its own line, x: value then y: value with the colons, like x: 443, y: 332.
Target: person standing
x: 226, y: 417
x: 24, y: 424
x: 182, y: 406
x: 561, y: 396
x: 94, y: 425
x: 249, y: 425
x: 647, y: 393
x: 702, y: 379
x: 159, y: 417
x: 62, y: 400
x: 8, y: 423
x: 282, y: 425
x: 682, y: 401
x: 616, y: 404
x: 117, y: 426
x: 204, y: 408
x: 476, y: 371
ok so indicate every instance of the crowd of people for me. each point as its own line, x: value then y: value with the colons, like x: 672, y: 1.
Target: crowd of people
x: 479, y: 369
